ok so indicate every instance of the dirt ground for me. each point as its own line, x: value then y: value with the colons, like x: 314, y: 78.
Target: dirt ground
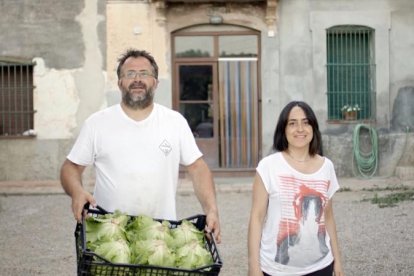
x: 37, y: 228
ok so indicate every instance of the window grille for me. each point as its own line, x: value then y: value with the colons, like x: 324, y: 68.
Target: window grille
x: 16, y: 98
x: 350, y: 71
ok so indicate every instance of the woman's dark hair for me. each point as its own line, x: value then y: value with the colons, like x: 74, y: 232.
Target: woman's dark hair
x: 137, y: 53
x: 280, y: 142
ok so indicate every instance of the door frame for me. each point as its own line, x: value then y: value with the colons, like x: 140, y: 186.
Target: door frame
x: 216, y: 32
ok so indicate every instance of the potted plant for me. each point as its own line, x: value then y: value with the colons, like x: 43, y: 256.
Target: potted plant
x: 349, y: 112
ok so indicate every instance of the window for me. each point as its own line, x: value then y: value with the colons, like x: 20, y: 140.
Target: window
x: 16, y: 98
x: 238, y: 46
x: 188, y: 46
x: 350, y: 72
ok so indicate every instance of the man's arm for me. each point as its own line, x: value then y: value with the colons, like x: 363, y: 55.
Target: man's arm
x: 205, y: 191
x: 71, y: 180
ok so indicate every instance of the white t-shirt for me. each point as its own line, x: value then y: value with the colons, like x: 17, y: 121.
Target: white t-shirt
x: 294, y: 240
x: 136, y: 163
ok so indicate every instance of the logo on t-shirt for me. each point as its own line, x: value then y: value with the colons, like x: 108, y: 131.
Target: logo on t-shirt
x: 165, y: 147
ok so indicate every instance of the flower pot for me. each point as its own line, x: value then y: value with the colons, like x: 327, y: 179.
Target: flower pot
x: 350, y: 115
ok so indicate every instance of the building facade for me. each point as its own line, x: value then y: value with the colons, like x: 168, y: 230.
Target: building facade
x: 228, y: 66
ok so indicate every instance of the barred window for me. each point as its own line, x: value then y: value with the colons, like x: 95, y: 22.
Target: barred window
x: 16, y: 97
x: 350, y: 72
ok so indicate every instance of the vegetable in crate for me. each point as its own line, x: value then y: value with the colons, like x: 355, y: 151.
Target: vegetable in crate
x: 186, y: 232
x: 115, y: 251
x: 155, y: 243
x: 108, y: 227
x: 106, y: 237
x: 193, y: 255
x: 146, y: 228
x: 141, y: 240
x: 153, y: 252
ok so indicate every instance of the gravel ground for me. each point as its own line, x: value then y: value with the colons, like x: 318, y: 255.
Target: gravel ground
x: 37, y: 233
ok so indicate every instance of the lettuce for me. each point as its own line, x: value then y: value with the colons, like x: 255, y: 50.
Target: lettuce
x: 115, y: 251
x: 108, y: 227
x: 186, y: 232
x: 146, y: 228
x: 193, y: 255
x: 153, y: 252
x: 141, y: 240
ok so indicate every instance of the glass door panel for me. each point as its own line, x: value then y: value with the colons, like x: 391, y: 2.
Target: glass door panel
x: 200, y: 119
x: 192, y: 47
x: 238, y: 46
x: 196, y: 101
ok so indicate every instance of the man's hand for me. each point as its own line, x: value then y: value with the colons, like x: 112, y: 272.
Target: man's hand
x: 204, y: 189
x: 78, y: 202
x: 71, y: 180
x: 213, y: 225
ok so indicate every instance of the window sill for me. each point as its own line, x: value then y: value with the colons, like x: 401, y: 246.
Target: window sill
x: 4, y: 137
x: 348, y: 122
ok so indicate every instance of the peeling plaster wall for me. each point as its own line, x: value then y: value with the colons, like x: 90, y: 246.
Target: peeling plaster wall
x: 42, y: 29
x: 67, y: 41
x: 135, y: 25
x: 64, y: 98
x: 56, y: 116
x: 90, y: 80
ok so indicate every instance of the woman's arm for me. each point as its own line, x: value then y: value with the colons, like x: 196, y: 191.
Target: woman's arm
x: 257, y: 215
x: 331, y: 228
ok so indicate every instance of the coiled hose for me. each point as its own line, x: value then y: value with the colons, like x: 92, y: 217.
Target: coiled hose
x: 366, y: 161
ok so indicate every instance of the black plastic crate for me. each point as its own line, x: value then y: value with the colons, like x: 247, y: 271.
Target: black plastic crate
x: 90, y: 263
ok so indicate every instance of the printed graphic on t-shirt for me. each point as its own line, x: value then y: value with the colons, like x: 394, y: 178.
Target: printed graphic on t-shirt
x: 165, y: 147
x: 301, y: 237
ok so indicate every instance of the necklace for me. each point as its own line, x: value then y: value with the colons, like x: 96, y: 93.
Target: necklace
x: 300, y: 161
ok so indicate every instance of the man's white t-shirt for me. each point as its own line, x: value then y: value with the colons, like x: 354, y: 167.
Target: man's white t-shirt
x: 136, y: 162
x: 294, y: 239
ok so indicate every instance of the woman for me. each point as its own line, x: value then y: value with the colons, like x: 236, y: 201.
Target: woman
x: 292, y: 230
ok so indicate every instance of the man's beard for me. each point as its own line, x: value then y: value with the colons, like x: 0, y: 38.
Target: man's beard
x: 143, y: 100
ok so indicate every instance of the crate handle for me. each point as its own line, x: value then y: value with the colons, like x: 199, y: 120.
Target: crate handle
x: 212, y: 236
x: 87, y: 207
x: 101, y: 209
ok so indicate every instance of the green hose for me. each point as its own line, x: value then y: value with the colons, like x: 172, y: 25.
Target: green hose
x: 366, y: 162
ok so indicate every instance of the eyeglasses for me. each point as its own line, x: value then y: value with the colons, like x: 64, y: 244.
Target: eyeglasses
x: 142, y: 74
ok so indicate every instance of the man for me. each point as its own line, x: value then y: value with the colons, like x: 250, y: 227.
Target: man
x: 136, y: 148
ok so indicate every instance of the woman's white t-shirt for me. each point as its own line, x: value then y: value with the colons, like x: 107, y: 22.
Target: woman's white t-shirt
x: 136, y: 162
x: 294, y: 239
